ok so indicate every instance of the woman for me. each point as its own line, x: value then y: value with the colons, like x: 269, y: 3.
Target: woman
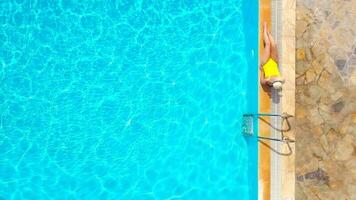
x: 270, y: 74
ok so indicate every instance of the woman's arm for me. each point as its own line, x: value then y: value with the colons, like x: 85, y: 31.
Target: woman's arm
x: 263, y: 79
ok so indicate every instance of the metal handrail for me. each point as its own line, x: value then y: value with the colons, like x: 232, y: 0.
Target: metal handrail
x: 284, y: 139
x: 283, y: 115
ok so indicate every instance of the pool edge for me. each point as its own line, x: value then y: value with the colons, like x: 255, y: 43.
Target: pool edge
x: 286, y: 30
x: 264, y: 107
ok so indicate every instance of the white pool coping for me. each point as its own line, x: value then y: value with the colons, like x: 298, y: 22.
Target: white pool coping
x: 276, y: 178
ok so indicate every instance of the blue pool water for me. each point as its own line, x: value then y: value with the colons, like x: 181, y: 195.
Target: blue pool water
x: 136, y: 99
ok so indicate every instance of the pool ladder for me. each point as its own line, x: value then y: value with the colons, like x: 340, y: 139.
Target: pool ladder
x: 248, y: 126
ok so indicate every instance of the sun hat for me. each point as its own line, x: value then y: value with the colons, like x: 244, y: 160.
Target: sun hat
x: 277, y: 85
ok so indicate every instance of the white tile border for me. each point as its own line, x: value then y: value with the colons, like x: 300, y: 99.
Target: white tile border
x: 276, y: 179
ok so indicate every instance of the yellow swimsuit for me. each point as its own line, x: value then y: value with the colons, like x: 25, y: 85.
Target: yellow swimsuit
x: 270, y: 68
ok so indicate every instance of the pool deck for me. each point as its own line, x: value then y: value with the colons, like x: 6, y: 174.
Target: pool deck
x: 286, y: 39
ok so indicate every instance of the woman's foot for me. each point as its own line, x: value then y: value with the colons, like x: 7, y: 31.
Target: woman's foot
x: 265, y: 27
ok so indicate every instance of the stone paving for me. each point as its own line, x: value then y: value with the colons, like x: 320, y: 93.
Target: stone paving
x: 326, y: 99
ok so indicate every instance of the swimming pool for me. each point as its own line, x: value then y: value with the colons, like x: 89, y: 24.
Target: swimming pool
x: 127, y: 99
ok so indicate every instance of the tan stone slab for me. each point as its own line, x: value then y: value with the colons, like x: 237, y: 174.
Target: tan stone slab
x: 326, y: 161
x: 288, y: 93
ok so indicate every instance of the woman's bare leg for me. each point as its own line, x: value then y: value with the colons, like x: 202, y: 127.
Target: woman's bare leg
x: 267, y: 51
x: 274, y: 50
